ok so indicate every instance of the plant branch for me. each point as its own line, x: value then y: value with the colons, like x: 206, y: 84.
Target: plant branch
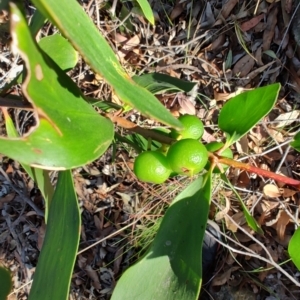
x: 147, y: 133
x: 258, y: 171
x: 14, y: 103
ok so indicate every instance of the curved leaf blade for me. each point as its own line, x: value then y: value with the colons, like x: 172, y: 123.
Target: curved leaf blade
x: 159, y: 83
x: 69, y: 132
x: 172, y: 268
x: 85, y: 37
x: 293, y: 248
x: 147, y: 10
x: 296, y: 142
x: 53, y: 274
x: 245, y: 110
x: 5, y: 283
x: 60, y: 50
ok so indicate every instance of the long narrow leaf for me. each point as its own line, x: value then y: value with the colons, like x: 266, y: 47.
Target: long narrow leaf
x: 79, y: 29
x: 56, y: 262
x: 172, y: 269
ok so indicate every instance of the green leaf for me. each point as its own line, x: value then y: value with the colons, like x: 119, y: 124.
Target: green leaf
x: 5, y: 283
x: 245, y: 110
x: 69, y: 132
x: 172, y: 268
x: 4, y: 4
x: 147, y: 10
x: 296, y: 143
x: 160, y: 83
x: 39, y: 176
x: 79, y: 29
x: 36, y: 23
x: 53, y: 273
x: 60, y: 50
x: 249, y: 218
x: 293, y: 248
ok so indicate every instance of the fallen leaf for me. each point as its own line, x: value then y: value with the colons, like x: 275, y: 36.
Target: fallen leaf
x: 271, y: 190
x: 93, y: 276
x: 6, y: 199
x: 239, y: 219
x: 221, y: 279
x: 228, y: 7
x: 243, y: 66
x: 251, y: 23
x: 286, y: 118
x: 221, y: 214
x: 256, y: 248
x: 270, y: 28
x: 283, y: 221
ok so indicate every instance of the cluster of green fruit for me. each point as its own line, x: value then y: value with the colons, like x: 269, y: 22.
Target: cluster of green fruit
x: 187, y: 156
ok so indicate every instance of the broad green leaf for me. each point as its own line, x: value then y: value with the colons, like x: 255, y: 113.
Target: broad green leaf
x: 245, y: 110
x: 60, y: 50
x: 147, y: 10
x: 39, y: 176
x: 159, y: 83
x: 172, y: 268
x: 293, y: 248
x: 79, y: 29
x: 5, y: 283
x: 36, y: 23
x: 53, y: 273
x: 296, y: 142
x: 69, y: 132
x: 249, y: 218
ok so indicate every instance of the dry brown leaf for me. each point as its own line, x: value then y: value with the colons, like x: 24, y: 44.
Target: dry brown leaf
x: 177, y: 10
x: 254, y: 73
x: 221, y: 279
x: 283, y: 221
x: 242, y: 145
x: 287, y: 193
x: 186, y: 106
x: 270, y: 29
x: 228, y: 7
x: 118, y: 259
x: 286, y: 118
x: 271, y: 190
x: 243, y: 66
x: 251, y: 23
x: 7, y: 198
x: 221, y: 214
x: 243, y: 179
x: 276, y: 135
x: 239, y: 219
x: 93, y: 276
x: 218, y: 42
x: 225, y: 96
x: 256, y: 248
x: 207, y: 137
x: 98, y: 226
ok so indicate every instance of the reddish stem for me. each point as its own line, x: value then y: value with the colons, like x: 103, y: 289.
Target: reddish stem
x: 258, y: 171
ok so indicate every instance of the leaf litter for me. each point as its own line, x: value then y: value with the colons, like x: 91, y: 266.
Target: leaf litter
x: 197, y: 43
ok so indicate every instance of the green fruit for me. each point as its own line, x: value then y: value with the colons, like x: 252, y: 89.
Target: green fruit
x: 187, y: 157
x: 213, y: 147
x: 152, y: 167
x: 192, y: 128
